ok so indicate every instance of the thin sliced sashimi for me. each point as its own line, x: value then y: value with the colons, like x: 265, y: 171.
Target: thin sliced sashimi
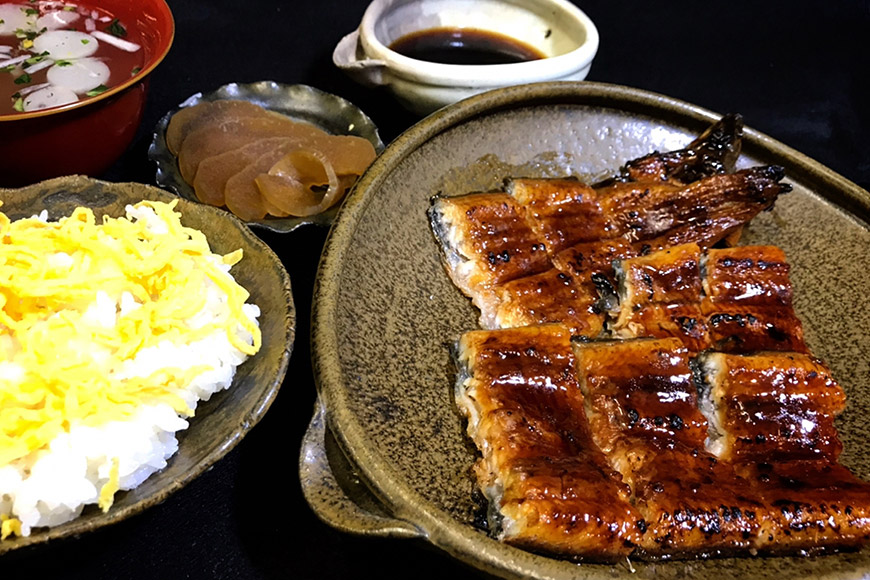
x: 220, y: 138
x: 288, y: 183
x: 213, y: 173
x: 197, y: 116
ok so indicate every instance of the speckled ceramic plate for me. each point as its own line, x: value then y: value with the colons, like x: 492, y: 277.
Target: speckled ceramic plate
x: 331, y: 113
x: 385, y: 313
x: 221, y: 422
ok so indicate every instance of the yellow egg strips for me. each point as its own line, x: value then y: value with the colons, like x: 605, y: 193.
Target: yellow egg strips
x: 78, y: 301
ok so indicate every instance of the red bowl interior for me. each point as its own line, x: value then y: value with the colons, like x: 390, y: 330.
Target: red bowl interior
x: 88, y: 136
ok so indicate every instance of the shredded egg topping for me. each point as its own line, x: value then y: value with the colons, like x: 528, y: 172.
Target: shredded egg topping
x: 79, y: 300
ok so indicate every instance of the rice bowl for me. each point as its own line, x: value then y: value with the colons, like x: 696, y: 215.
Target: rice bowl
x: 97, y: 460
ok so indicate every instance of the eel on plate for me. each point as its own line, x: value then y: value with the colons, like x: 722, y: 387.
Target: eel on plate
x: 489, y: 240
x: 549, y: 487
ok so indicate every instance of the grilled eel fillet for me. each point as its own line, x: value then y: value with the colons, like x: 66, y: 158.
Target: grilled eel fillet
x: 732, y: 299
x: 770, y: 407
x: 714, y: 151
x: 772, y: 419
x: 564, y: 212
x: 549, y: 487
x: 490, y: 239
x: 596, y: 450
x: 487, y: 239
x: 643, y: 410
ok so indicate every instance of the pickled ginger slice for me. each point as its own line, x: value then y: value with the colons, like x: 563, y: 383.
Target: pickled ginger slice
x: 348, y: 154
x: 242, y: 195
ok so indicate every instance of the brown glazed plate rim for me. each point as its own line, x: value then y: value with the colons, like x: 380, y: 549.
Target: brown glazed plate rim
x: 221, y: 422
x: 459, y: 539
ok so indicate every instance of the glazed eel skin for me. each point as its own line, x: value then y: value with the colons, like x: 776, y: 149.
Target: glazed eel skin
x: 736, y: 300
x: 549, y: 487
x: 640, y: 392
x: 605, y: 449
x: 523, y: 255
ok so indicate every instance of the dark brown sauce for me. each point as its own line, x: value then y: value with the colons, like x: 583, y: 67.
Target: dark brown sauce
x: 464, y: 46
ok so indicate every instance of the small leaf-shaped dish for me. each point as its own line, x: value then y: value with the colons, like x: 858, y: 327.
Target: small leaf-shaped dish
x: 329, y: 112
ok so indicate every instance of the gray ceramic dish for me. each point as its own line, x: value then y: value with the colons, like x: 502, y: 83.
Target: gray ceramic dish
x: 300, y: 102
x: 385, y: 312
x: 221, y: 422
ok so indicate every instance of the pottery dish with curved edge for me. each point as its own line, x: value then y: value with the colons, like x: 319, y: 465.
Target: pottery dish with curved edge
x: 557, y: 29
x: 87, y: 136
x: 385, y: 313
x: 222, y: 422
x: 329, y: 112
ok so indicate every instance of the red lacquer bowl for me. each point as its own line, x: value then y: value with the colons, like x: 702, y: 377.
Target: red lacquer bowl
x: 88, y: 136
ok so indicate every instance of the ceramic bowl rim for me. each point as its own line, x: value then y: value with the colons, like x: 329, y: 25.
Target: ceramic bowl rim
x: 482, y: 75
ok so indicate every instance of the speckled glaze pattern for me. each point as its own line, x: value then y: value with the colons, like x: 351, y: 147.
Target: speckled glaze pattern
x: 385, y: 310
x: 332, y: 484
x: 329, y: 112
x: 224, y: 420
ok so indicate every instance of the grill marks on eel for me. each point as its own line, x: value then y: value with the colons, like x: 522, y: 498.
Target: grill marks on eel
x: 492, y: 242
x: 549, y: 486
x: 654, y: 447
x: 732, y: 300
x: 596, y: 450
x: 643, y: 403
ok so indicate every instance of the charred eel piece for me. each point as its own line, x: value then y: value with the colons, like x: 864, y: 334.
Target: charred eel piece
x: 660, y: 296
x: 551, y: 296
x: 750, y: 275
x: 770, y: 407
x: 748, y: 304
x: 734, y: 300
x: 485, y: 241
x: 714, y: 151
x: 643, y: 411
x: 549, y: 487
x: 772, y: 417
x: 651, y: 212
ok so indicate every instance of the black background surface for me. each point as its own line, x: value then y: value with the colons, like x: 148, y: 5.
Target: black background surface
x: 797, y: 71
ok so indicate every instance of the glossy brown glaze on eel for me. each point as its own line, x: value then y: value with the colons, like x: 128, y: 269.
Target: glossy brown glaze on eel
x: 549, y: 487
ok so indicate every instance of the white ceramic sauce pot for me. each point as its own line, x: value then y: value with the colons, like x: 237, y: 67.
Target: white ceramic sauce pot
x: 557, y: 29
